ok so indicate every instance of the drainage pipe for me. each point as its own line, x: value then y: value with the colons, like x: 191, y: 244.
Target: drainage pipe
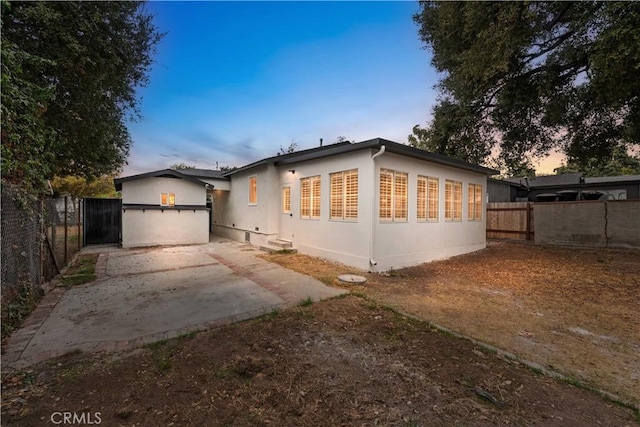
x: 372, y: 261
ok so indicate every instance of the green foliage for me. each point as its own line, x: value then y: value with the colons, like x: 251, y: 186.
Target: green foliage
x: 619, y: 163
x: 16, y: 306
x: 181, y: 166
x: 228, y: 168
x: 306, y: 302
x: 531, y: 76
x: 79, y: 187
x: 83, y: 270
x: 293, y: 147
x: 70, y: 71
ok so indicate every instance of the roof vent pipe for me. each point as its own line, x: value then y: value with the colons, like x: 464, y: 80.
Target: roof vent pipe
x: 320, y: 142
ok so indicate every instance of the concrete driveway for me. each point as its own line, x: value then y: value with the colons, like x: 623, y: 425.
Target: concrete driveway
x: 142, y: 296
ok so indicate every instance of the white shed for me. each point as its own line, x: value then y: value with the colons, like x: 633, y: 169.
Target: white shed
x: 165, y: 207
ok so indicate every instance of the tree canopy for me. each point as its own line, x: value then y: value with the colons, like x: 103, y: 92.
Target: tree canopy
x: 181, y: 166
x: 79, y: 187
x: 527, y: 77
x: 619, y: 163
x: 70, y: 71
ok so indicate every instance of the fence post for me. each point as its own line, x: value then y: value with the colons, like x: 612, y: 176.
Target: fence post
x: 43, y: 230
x: 78, y: 219
x: 529, y: 208
x: 66, y: 228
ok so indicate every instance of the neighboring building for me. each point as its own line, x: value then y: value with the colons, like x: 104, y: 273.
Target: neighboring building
x: 374, y: 205
x: 564, y: 187
x: 167, y: 207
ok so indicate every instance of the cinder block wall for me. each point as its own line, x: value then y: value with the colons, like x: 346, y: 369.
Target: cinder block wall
x: 597, y: 224
x: 623, y: 223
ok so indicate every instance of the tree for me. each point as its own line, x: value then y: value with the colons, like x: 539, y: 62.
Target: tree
x: 70, y: 71
x: 530, y: 76
x: 619, y: 163
x: 181, y: 166
x: 228, y: 168
x: 79, y: 187
x: 290, y: 149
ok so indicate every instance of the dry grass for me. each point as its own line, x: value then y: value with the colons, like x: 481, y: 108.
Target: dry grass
x: 573, y: 310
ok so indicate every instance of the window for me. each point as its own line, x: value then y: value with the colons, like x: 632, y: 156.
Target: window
x: 427, y: 198
x: 286, y: 199
x: 167, y: 199
x: 310, y: 197
x: 344, y: 195
x: 393, y: 195
x: 253, y: 190
x: 475, y: 202
x: 452, y: 200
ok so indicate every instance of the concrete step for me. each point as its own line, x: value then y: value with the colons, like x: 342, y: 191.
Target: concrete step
x: 281, y: 243
x: 272, y: 249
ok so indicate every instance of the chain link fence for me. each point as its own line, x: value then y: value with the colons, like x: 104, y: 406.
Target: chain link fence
x: 62, y: 223
x: 38, y: 239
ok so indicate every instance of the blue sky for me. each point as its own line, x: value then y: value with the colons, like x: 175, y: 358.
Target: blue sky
x: 234, y: 81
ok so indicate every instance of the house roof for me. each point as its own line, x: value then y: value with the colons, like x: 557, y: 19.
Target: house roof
x: 570, y: 179
x: 606, y: 179
x: 203, y: 173
x: 505, y: 182
x: 377, y: 143
x: 548, y: 180
x: 164, y: 173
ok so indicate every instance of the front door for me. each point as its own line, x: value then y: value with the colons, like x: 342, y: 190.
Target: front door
x: 286, y: 212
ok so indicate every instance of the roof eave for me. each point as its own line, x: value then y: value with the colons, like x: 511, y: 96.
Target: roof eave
x: 154, y: 174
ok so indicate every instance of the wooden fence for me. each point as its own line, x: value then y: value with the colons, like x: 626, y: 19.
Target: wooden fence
x: 510, y: 221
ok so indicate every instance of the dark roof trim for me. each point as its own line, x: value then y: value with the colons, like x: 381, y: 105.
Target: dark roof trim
x: 505, y: 182
x: 142, y: 207
x: 377, y: 143
x: 158, y: 174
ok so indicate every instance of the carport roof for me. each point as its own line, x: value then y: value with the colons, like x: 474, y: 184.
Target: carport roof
x: 377, y: 143
x: 164, y: 173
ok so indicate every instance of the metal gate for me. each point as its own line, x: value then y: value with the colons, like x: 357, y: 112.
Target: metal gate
x: 102, y: 221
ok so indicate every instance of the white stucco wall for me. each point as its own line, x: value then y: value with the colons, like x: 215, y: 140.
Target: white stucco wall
x: 218, y: 184
x: 147, y: 191
x: 401, y: 244
x: 234, y: 216
x: 168, y: 227
x: 390, y: 245
x: 342, y: 241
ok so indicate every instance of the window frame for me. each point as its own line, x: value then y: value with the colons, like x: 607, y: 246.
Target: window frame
x: 393, y: 198
x: 286, y: 199
x: 167, y: 199
x: 343, y: 196
x: 311, y: 208
x: 452, y: 200
x: 253, y: 190
x: 426, y: 205
x: 474, y: 202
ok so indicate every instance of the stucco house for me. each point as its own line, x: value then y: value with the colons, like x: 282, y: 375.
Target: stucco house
x: 374, y: 205
x: 167, y: 207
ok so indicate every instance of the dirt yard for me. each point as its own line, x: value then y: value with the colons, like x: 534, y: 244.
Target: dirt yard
x: 354, y: 361
x: 347, y: 361
x: 575, y: 311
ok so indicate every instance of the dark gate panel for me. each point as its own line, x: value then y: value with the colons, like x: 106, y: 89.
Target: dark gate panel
x: 102, y: 221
